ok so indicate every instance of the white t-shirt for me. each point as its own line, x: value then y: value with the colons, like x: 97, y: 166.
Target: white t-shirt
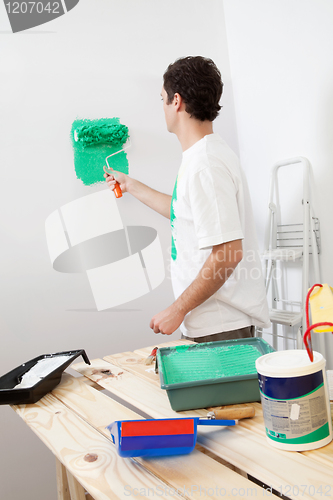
x: 211, y: 205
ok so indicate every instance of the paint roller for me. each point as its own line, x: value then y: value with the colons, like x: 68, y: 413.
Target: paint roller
x: 112, y: 134
x: 170, y: 436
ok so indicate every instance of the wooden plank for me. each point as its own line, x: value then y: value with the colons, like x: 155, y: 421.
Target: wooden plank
x: 198, y: 476
x: 74, y: 443
x: 91, y: 405
x: 130, y: 388
x: 145, y: 351
x: 284, y: 471
x: 323, y: 455
x: 76, y: 490
x: 135, y: 363
x: 91, y: 383
x: 220, y: 460
x: 195, y: 473
x: 257, y: 457
x: 62, y: 482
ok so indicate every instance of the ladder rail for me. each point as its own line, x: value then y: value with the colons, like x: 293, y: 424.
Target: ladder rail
x: 309, y: 236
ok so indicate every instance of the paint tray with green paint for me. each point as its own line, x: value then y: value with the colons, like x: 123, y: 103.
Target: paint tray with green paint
x: 211, y: 373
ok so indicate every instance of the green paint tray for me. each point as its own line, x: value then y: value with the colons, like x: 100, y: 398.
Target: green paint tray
x: 211, y: 373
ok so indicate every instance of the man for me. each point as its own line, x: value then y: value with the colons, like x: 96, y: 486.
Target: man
x: 215, y: 265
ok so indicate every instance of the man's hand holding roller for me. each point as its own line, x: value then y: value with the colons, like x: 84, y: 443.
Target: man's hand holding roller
x: 159, y: 202
x: 119, y: 177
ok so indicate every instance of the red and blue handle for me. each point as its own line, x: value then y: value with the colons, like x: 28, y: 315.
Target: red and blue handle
x: 157, y: 437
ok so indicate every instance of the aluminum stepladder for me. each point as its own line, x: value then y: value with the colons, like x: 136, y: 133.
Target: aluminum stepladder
x: 284, y: 243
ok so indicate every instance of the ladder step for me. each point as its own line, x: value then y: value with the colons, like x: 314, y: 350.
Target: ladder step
x: 283, y: 254
x: 288, y: 318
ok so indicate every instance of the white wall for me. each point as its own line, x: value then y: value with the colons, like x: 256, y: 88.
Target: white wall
x: 280, y: 57
x: 107, y: 58
x: 102, y: 59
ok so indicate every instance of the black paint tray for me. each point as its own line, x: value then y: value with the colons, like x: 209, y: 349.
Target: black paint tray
x: 26, y: 395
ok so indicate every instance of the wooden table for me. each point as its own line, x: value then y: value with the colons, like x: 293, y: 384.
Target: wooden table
x: 72, y: 422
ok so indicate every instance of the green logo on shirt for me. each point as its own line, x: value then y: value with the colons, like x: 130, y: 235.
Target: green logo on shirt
x: 172, y: 219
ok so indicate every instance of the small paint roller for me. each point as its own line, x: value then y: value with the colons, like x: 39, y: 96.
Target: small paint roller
x: 170, y: 436
x: 112, y: 134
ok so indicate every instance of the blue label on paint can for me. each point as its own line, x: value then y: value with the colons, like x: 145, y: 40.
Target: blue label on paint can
x: 290, y: 387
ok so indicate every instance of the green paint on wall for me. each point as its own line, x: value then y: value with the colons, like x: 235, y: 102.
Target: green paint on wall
x: 98, y: 139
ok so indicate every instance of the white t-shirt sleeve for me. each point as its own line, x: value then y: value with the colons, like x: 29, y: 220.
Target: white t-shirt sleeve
x: 213, y: 199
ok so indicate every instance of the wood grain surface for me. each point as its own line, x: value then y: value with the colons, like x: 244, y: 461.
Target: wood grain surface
x: 244, y: 446
x: 73, y: 441
x: 72, y: 422
x: 194, y: 474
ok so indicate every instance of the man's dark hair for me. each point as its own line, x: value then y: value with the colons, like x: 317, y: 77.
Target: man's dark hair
x: 198, y: 81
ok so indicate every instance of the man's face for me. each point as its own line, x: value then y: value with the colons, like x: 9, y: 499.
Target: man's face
x: 168, y: 111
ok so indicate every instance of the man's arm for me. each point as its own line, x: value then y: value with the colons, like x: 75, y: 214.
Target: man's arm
x: 159, y: 202
x: 214, y: 273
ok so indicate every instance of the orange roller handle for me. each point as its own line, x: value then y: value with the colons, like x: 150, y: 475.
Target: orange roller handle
x: 117, y: 190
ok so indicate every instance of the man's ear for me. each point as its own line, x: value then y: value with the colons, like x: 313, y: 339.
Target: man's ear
x: 177, y: 101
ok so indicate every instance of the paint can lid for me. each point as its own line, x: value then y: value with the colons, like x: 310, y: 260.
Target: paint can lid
x: 291, y: 363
